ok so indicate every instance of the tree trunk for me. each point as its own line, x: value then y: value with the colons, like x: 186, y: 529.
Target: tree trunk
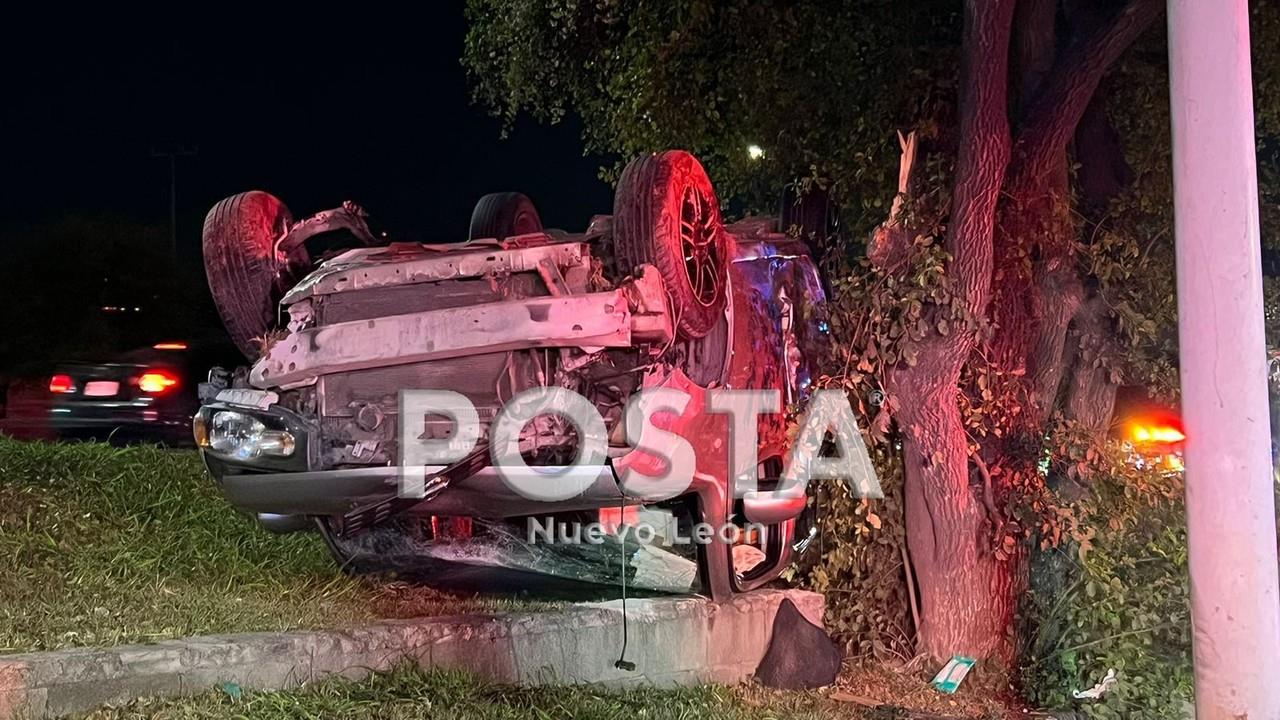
x: 965, y: 598
x: 969, y: 573
x: 967, y: 595
x: 1091, y: 392
x: 1103, y: 175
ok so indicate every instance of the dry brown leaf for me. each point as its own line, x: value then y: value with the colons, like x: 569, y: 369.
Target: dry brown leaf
x: 848, y: 697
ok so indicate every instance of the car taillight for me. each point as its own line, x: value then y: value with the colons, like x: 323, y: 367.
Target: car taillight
x: 62, y: 384
x: 156, y: 382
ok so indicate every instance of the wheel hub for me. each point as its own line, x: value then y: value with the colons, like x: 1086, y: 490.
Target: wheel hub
x: 702, y: 262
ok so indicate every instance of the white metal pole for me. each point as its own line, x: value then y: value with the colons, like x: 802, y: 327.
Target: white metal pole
x: 1230, y: 493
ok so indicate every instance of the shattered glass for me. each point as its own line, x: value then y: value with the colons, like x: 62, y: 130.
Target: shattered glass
x: 645, y: 544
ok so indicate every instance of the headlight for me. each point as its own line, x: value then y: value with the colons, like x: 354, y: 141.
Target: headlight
x: 243, y: 437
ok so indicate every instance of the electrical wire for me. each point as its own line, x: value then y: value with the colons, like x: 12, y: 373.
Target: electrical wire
x: 623, y: 663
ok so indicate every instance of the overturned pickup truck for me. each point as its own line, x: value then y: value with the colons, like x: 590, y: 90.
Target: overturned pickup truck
x: 659, y: 295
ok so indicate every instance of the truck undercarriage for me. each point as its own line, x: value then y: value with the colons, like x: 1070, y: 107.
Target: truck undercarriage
x: 590, y: 313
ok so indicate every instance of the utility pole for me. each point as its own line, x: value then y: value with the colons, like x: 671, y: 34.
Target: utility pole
x: 172, y: 153
x: 1231, y: 523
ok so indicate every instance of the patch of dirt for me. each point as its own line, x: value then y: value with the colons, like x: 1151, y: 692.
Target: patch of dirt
x: 884, y: 692
x: 867, y: 691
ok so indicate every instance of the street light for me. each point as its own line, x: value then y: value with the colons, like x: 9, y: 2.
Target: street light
x: 172, y: 153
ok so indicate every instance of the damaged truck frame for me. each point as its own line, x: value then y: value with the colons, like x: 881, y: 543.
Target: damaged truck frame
x: 660, y: 294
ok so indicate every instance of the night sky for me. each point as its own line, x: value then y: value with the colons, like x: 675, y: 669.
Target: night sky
x: 316, y: 108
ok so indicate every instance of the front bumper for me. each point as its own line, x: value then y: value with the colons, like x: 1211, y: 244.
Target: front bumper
x: 284, y: 496
x: 291, y: 486
x: 334, y: 492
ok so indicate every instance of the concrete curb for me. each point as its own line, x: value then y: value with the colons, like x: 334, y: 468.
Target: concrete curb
x: 673, y: 641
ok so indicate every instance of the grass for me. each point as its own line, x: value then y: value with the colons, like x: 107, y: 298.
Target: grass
x: 102, y: 546
x: 409, y: 694
x: 440, y: 695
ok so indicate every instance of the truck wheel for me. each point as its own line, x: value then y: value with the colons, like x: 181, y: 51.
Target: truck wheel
x: 665, y: 213
x: 246, y: 277
x: 503, y: 215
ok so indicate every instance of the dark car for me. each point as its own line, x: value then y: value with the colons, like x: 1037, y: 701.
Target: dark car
x: 147, y: 394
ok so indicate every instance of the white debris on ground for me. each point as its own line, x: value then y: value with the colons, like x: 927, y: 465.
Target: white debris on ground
x: 1098, y: 690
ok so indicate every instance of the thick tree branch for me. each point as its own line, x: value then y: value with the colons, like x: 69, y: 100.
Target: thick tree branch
x: 966, y: 596
x: 1013, y: 307
x: 1034, y: 47
x: 1104, y: 173
x: 891, y: 241
x: 1051, y: 119
x: 984, y: 156
x: 1091, y: 394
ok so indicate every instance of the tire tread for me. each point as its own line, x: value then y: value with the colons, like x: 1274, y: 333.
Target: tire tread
x: 643, y: 233
x: 237, y: 238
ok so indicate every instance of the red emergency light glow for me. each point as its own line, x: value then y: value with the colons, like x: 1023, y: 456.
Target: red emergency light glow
x: 1156, y: 434
x: 62, y: 384
x: 155, y: 382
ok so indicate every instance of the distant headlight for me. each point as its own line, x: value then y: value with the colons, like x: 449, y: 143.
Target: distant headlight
x: 242, y: 437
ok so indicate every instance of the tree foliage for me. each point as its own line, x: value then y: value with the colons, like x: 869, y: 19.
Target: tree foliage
x: 818, y: 86
x: 1128, y: 606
